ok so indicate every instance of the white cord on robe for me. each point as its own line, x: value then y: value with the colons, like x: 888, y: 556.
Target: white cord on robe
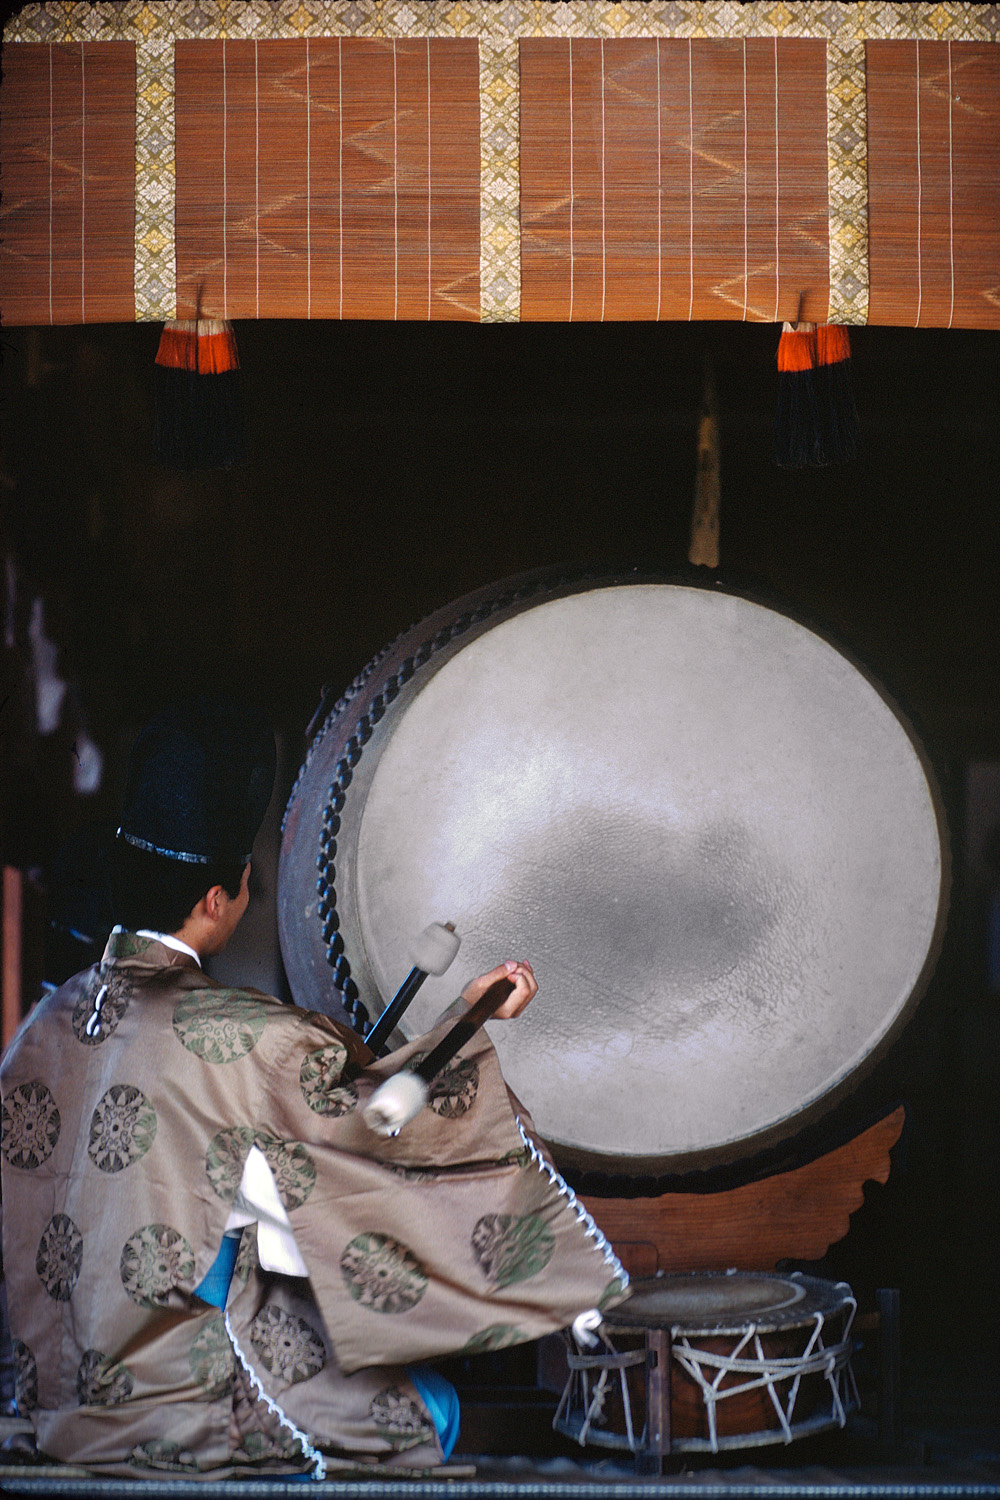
x: 310, y: 1451
x: 586, y: 1219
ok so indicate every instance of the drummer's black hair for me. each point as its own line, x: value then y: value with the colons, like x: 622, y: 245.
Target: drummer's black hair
x: 148, y: 890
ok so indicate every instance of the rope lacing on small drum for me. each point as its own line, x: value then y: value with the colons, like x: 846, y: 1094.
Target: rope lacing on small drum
x: 767, y: 1371
x: 581, y: 1368
x: 94, y: 1019
x: 583, y: 1217
x: 309, y: 1450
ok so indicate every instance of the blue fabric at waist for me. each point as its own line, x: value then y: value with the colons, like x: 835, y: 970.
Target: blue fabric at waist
x: 441, y: 1400
x: 214, y: 1289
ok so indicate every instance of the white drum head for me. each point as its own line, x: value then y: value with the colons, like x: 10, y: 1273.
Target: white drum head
x: 708, y: 831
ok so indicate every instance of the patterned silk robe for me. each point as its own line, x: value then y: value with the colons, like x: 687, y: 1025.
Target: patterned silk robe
x: 131, y: 1099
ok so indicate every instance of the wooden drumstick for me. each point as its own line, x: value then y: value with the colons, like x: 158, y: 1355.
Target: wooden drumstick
x: 432, y: 953
x: 401, y: 1097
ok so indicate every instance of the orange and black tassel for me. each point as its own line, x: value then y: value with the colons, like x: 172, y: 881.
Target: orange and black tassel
x: 199, y: 410
x: 817, y: 421
x: 797, y: 431
x: 838, y: 413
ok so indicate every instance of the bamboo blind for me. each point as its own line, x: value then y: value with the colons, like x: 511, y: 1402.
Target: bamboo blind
x: 674, y: 179
x: 67, y: 218
x: 272, y: 199
x: 328, y: 178
x: 934, y: 183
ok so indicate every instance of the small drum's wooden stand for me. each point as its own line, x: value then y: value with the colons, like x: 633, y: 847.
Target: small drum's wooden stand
x: 793, y: 1215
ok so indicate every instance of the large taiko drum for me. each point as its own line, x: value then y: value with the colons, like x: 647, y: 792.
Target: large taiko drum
x: 710, y: 831
x: 754, y: 1358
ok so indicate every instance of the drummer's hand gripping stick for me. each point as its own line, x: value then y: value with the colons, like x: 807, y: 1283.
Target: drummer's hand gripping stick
x: 431, y: 954
x: 401, y: 1097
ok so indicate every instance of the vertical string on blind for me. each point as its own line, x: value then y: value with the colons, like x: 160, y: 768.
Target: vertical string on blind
x: 308, y: 189
x: 83, y: 186
x: 604, y: 198
x: 572, y: 265
x: 225, y: 191
x: 427, y: 53
x: 746, y: 191
x: 256, y: 179
x: 951, y: 192
x: 690, y: 182
x: 395, y: 186
x: 340, y: 168
x: 920, y: 191
x: 51, y: 155
x: 777, y: 193
x: 659, y: 185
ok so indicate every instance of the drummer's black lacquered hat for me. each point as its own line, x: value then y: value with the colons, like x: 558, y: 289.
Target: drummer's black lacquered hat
x: 199, y: 780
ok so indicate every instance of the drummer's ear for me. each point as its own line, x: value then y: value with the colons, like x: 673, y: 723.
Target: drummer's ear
x: 215, y: 918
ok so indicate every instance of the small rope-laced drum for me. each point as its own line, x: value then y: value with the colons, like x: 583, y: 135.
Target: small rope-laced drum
x: 756, y: 1358
x: 708, y: 830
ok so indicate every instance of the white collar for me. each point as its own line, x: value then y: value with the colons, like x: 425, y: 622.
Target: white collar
x: 168, y: 941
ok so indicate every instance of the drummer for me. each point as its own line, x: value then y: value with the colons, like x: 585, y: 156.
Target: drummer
x: 212, y: 1264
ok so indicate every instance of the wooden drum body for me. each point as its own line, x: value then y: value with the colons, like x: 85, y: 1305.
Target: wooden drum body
x: 712, y: 835
x: 754, y: 1358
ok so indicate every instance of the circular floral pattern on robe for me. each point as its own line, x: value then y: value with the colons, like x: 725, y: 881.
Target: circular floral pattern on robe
x: 212, y: 1359
x: 258, y: 1447
x: 455, y: 1088
x: 155, y: 1259
x: 162, y: 1453
x: 30, y: 1125
x: 496, y: 1336
x: 60, y: 1256
x: 381, y: 1274
x: 114, y: 1003
x: 511, y: 1249
x: 226, y: 1157
x: 122, y: 1128
x: 287, y: 1346
x: 399, y: 1418
x: 101, y: 1381
x: 292, y: 1167
x: 25, y: 1377
x: 319, y: 1080
x: 220, y: 1025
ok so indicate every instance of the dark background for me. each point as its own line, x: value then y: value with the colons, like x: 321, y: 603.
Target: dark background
x: 394, y: 467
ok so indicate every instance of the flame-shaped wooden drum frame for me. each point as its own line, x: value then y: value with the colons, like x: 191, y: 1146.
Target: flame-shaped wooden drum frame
x: 708, y: 829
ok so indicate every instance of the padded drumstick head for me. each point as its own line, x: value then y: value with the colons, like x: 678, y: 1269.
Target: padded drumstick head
x: 435, y: 948
x: 395, y: 1103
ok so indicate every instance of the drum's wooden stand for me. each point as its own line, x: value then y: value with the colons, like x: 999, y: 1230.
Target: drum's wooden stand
x: 649, y: 1459
x: 793, y: 1215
